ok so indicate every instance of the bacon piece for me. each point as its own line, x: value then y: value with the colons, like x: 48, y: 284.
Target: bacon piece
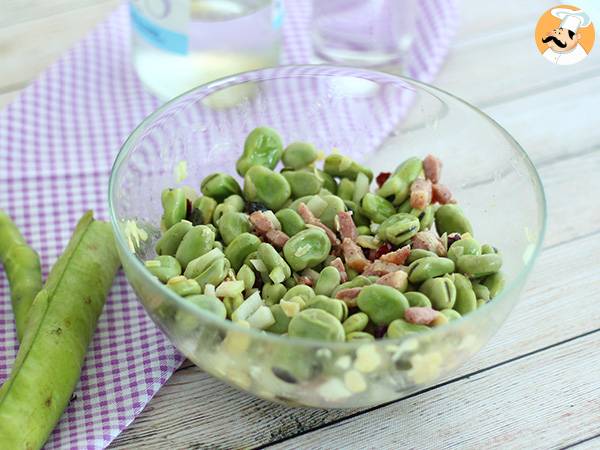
x: 432, y: 167
x: 380, y: 268
x: 441, y: 194
x: 277, y: 237
x: 386, y: 247
x: 420, y: 193
x: 354, y: 256
x: 396, y: 257
x: 304, y: 280
x: 348, y: 296
x: 428, y: 240
x: 420, y: 315
x: 339, y: 265
x: 347, y: 226
x: 310, y: 219
x: 397, y: 279
x: 261, y: 223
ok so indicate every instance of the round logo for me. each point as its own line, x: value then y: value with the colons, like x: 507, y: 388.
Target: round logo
x: 565, y: 35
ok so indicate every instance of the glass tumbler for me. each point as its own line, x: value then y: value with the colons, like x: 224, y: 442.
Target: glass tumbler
x: 363, y: 32
x: 180, y: 44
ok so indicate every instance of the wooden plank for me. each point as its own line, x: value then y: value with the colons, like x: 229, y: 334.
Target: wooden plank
x: 193, y: 409
x: 547, y: 400
x: 504, y: 67
x: 13, y: 12
x: 29, y: 47
x: 498, y: 17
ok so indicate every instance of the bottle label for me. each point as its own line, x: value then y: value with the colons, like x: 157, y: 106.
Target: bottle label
x: 277, y: 15
x: 162, y: 23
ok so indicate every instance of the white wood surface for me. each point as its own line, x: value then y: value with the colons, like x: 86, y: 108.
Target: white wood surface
x: 537, y: 383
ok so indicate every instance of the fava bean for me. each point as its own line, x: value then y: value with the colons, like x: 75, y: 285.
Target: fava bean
x: 307, y: 249
x: 232, y: 224
x: 440, y: 291
x: 382, y: 304
x: 341, y: 166
x: 302, y: 182
x: 219, y: 186
x: 164, y: 267
x: 475, y: 266
x: 202, y: 210
x: 316, y: 324
x: 240, y: 248
x: 298, y: 155
x: 170, y: 240
x: 262, y: 147
x: 400, y: 327
x: 328, y: 280
x: 425, y: 268
x: 417, y: 299
x: 174, y: 206
x: 196, y: 242
x: 356, y: 322
x: 465, y: 297
x: 451, y: 219
x: 494, y: 283
x: 267, y: 187
x: 291, y: 222
x: 376, y: 208
x: 398, y: 228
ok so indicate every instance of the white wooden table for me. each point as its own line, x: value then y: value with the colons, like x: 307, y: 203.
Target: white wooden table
x: 537, y: 383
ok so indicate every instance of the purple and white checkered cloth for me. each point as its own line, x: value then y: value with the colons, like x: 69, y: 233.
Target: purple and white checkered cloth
x: 58, y: 140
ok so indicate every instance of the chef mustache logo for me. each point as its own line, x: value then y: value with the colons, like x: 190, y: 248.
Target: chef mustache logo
x: 554, y: 39
x: 565, y: 35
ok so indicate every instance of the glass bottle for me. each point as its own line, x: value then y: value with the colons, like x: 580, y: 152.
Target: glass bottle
x: 180, y: 44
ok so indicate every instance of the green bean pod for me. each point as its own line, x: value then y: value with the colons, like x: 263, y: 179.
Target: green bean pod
x: 22, y: 266
x: 61, y: 323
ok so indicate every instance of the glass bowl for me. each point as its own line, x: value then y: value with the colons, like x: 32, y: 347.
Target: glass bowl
x: 375, y: 117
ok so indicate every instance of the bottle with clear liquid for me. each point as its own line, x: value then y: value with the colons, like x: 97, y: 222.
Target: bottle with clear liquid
x: 180, y: 44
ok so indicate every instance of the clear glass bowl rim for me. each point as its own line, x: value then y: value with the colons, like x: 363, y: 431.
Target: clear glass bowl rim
x: 318, y: 70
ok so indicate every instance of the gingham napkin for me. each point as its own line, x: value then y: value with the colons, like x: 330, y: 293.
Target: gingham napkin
x: 58, y: 140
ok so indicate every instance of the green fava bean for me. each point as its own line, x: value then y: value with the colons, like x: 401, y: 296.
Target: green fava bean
x: 481, y: 302
x: 440, y: 291
x: 494, y: 283
x: 267, y: 187
x: 395, y: 187
x: 475, y: 266
x: 164, y: 267
x: 232, y: 224
x: 307, y: 249
x: 450, y: 219
x: 404, y: 207
x: 429, y: 267
x: 329, y: 182
x: 202, y: 210
x: 417, y: 299
x: 214, y: 274
x: 282, y: 321
x: 400, y: 327
x: 273, y: 293
x: 382, y: 304
x: 487, y: 248
x: 316, y: 324
x: 174, y: 206
x: 276, y: 266
x: 302, y: 182
x: 363, y: 230
x: 291, y: 222
x: 232, y: 303
x: 207, y: 303
x: 328, y: 280
x: 263, y: 147
x: 246, y: 274
x: 465, y: 246
x: 300, y: 290
x: 359, y: 336
x: 481, y: 291
x: 335, y: 307
x: 426, y: 218
x: 466, y: 301
x: 341, y: 166
x: 196, y: 242
x: 219, y: 186
x: 410, y: 169
x: 325, y: 207
x: 356, y: 322
x: 183, y: 286
x: 398, y: 228
x: 376, y: 208
x: 239, y: 249
x: 419, y: 253
x: 450, y: 314
x: 170, y: 240
x: 196, y: 266
x: 298, y: 155
x: 345, y: 189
